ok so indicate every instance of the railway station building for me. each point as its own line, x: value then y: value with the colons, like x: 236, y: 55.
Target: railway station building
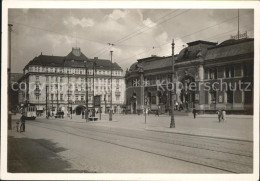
x: 208, y: 76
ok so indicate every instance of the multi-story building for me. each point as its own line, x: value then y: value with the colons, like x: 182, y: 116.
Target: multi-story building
x: 59, y: 83
x: 208, y: 76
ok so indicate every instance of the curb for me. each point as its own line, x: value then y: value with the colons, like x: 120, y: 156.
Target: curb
x: 201, y: 135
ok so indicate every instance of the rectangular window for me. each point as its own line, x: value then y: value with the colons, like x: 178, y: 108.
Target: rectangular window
x: 82, y: 98
x: 227, y: 75
x: 245, y: 72
x: 220, y: 72
x: 232, y: 71
x: 230, y: 97
x: 205, y: 74
x: 238, y: 70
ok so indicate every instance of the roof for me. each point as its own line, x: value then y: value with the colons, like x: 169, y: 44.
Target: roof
x: 152, y: 63
x: 74, y: 59
x: 231, y: 48
x: 195, y: 50
x: 201, y: 42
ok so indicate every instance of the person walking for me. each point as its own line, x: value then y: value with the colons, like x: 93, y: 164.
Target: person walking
x: 176, y: 105
x: 223, y: 115
x: 22, y: 124
x: 194, y: 111
x: 219, y: 112
x: 82, y: 114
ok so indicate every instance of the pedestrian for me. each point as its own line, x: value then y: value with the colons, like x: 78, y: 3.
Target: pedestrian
x: 62, y: 114
x: 194, y: 111
x: 22, y: 124
x: 157, y: 113
x: 181, y: 106
x: 223, y: 115
x: 176, y: 105
x: 219, y: 112
x: 82, y: 114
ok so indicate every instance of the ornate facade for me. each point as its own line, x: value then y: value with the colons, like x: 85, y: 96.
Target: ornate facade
x: 56, y: 83
x: 208, y: 76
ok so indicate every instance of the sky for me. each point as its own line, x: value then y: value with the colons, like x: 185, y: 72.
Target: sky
x: 135, y: 33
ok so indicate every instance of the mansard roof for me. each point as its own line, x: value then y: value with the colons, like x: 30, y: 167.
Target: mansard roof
x: 231, y: 48
x: 195, y: 50
x: 152, y: 63
x: 74, y: 59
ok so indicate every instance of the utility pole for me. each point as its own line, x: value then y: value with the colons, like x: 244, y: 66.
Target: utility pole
x: 238, y: 24
x: 94, y: 111
x: 52, y: 104
x: 57, y: 98
x: 172, y: 125
x: 68, y: 94
x: 9, y: 77
x: 47, y: 101
x: 86, y: 80
x: 105, y: 103
x: 110, y: 113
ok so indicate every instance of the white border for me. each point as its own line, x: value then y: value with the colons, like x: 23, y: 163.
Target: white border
x: 128, y: 5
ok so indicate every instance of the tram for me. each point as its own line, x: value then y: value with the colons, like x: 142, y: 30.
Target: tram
x: 29, y: 111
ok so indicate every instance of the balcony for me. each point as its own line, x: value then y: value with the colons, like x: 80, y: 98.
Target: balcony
x: 80, y: 102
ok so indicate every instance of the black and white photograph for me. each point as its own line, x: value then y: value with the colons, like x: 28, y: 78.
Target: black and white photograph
x: 131, y: 90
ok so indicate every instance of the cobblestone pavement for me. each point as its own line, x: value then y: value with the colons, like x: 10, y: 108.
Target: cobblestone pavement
x: 124, y: 146
x: 235, y: 127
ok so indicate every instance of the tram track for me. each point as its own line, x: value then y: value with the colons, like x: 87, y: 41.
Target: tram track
x: 184, y: 141
x: 107, y: 137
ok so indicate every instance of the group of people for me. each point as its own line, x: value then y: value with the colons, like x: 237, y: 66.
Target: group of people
x: 221, y: 115
x: 179, y: 106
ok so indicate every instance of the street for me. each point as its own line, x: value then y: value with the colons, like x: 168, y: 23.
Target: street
x: 127, y: 145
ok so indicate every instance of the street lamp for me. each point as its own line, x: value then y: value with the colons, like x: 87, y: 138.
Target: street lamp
x: 94, y: 69
x: 172, y: 125
x: 105, y: 103
x: 86, y: 80
x: 69, y: 95
x: 47, y: 96
x: 110, y: 113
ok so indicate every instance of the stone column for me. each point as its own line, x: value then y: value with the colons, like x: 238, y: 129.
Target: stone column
x: 142, y: 89
x: 201, y: 72
x: 200, y: 89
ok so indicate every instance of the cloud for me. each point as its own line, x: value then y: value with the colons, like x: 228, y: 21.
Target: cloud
x: 149, y: 23
x: 84, y: 22
x: 117, y: 14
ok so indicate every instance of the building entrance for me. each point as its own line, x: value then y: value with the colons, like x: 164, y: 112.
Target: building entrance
x: 79, y: 110
x: 187, y: 95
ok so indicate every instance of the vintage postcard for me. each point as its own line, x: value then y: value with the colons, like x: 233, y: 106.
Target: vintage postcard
x: 130, y: 90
